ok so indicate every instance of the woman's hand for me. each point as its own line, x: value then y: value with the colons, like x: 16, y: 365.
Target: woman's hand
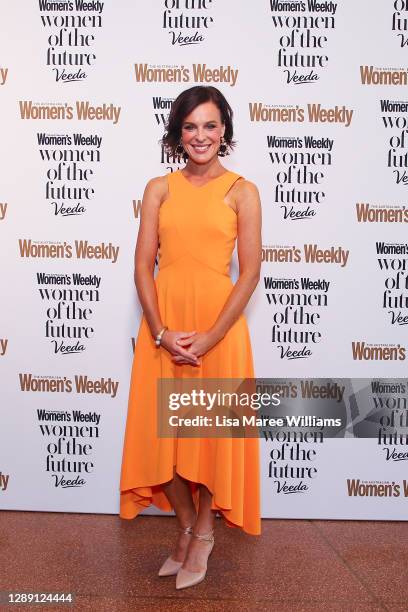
x: 174, y: 342
x: 199, y: 344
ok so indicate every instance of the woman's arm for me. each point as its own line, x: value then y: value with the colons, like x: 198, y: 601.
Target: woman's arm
x: 146, y: 251
x: 249, y: 242
x: 147, y: 244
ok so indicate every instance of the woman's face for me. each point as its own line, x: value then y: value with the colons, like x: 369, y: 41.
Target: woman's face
x: 201, y: 132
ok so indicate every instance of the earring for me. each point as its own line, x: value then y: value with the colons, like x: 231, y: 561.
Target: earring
x: 179, y: 148
x: 223, y: 148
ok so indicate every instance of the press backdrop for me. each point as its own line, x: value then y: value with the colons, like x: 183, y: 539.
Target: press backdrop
x: 319, y: 93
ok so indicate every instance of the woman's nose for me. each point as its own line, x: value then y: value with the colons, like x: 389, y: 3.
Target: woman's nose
x: 200, y: 133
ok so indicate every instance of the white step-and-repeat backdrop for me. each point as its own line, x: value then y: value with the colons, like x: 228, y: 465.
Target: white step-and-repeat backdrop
x: 320, y: 97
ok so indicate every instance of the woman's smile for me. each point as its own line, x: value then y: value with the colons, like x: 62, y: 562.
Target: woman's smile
x: 201, y: 148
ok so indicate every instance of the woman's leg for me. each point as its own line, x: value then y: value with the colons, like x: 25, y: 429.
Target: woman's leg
x: 198, y: 549
x: 178, y: 493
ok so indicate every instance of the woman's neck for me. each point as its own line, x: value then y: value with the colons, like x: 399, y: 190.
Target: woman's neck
x: 208, y: 170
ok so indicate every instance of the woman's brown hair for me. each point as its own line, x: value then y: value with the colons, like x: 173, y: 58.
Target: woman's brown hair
x: 185, y: 103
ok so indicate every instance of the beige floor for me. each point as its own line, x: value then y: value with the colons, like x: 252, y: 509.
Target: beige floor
x: 111, y: 564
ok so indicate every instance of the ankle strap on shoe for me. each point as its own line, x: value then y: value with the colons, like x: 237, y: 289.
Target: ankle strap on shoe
x: 207, y: 537
x: 186, y: 530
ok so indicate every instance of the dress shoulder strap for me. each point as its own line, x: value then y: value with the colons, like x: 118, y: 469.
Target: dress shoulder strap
x: 171, y: 182
x: 226, y: 182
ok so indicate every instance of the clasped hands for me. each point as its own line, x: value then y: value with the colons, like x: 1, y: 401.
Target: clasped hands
x: 187, y: 347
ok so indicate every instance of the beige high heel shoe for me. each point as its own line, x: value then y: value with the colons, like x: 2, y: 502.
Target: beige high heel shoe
x: 185, y: 578
x: 170, y: 567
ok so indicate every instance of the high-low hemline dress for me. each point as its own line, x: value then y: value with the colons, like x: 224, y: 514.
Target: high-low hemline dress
x: 197, y: 234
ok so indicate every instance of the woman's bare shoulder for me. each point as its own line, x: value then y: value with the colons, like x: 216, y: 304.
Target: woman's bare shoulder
x: 245, y: 188
x: 246, y: 194
x: 157, y: 188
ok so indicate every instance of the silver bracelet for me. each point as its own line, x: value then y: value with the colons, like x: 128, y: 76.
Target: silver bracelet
x: 159, y: 336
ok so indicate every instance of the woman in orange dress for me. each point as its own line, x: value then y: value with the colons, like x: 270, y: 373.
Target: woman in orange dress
x: 193, y: 326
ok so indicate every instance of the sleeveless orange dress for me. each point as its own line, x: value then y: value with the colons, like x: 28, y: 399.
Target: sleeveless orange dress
x: 197, y: 233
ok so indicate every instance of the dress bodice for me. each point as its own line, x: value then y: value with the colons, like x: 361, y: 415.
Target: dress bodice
x: 196, y: 223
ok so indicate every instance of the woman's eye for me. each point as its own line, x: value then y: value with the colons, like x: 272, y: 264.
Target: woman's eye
x: 211, y: 126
